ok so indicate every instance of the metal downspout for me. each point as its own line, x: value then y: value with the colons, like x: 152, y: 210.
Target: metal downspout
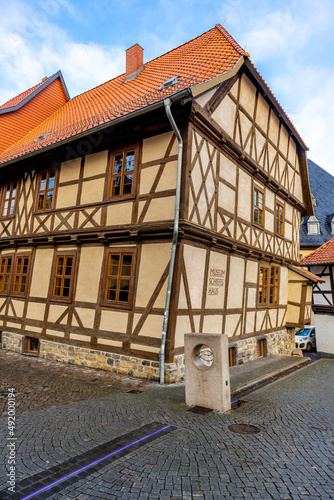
x: 167, y: 104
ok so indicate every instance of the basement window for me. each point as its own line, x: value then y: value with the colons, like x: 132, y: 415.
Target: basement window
x: 261, y: 348
x: 231, y: 356
x: 32, y: 345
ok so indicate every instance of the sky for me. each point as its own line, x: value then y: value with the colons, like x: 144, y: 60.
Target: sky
x: 289, y: 41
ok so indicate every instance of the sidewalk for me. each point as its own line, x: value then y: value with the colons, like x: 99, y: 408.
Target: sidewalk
x: 255, y: 372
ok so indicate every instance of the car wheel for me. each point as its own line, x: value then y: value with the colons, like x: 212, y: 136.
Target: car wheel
x: 309, y: 347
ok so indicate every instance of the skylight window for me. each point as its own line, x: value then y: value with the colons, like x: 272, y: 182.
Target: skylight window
x: 332, y: 225
x: 41, y: 137
x: 169, y: 82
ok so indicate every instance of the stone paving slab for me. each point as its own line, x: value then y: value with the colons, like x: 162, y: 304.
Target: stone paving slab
x: 248, y: 374
x: 292, y: 457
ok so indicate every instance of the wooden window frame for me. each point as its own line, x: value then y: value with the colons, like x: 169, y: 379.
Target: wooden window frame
x: 38, y: 190
x: 268, y: 292
x: 258, y: 190
x: 28, y: 349
x: 61, y: 298
x: 119, y: 251
x: 20, y: 274
x: 231, y: 356
x: 279, y: 222
x: 10, y: 199
x: 9, y: 274
x: 261, y: 348
x: 274, y: 287
x: 112, y: 157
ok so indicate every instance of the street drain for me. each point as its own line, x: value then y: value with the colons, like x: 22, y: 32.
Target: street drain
x: 134, y: 391
x: 236, y: 404
x: 243, y: 429
x: 200, y: 410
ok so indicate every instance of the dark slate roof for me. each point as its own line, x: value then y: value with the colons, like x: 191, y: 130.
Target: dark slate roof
x: 322, y: 187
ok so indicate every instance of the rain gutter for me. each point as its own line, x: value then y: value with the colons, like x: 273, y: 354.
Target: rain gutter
x: 115, y: 121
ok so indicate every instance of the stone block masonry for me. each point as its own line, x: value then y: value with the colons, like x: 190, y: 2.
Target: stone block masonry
x: 13, y: 342
x: 276, y: 343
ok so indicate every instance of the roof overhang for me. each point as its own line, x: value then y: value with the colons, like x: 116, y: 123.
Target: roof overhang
x: 178, y: 96
x: 306, y: 274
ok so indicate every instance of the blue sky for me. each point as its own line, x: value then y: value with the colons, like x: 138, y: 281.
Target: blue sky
x: 290, y: 42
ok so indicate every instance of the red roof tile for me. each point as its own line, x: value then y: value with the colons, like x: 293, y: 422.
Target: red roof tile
x: 322, y: 255
x: 22, y: 113
x: 314, y: 277
x: 16, y: 100
x: 199, y: 60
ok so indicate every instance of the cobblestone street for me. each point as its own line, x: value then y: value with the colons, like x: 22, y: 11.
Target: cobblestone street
x: 65, y: 412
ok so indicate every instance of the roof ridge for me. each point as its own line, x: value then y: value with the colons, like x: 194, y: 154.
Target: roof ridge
x: 222, y: 30
x: 230, y: 39
x: 32, y: 92
x: 27, y: 92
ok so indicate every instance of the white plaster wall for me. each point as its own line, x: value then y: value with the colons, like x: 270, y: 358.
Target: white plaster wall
x: 324, y: 325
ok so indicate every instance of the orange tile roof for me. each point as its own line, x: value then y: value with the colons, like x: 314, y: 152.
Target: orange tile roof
x: 197, y: 61
x: 314, y: 277
x: 22, y: 113
x: 19, y: 98
x: 201, y: 59
x: 322, y: 255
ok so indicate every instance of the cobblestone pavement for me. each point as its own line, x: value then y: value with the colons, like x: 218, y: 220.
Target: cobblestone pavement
x: 292, y: 457
x: 40, y: 383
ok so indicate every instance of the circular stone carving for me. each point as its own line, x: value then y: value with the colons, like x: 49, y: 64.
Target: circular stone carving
x: 202, y: 356
x: 243, y: 429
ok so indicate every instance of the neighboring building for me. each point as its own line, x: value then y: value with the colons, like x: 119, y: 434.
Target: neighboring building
x: 321, y: 263
x: 318, y: 228
x: 22, y: 113
x: 86, y: 252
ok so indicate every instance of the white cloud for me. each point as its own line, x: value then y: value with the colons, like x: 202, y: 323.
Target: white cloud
x: 33, y: 46
x: 288, y: 42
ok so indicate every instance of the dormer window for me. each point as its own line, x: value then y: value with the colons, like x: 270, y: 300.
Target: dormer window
x: 313, y: 225
x: 332, y: 225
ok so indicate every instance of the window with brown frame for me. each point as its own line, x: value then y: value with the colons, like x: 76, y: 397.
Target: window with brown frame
x: 32, y: 346
x: 5, y: 273
x: 279, y: 219
x: 63, y: 277
x: 268, y: 290
x: 119, y: 278
x: 45, y: 190
x: 258, y: 214
x: 9, y: 196
x: 263, y: 286
x: 231, y: 356
x: 123, y: 166
x: 261, y: 346
x: 274, y: 286
x: 21, y: 274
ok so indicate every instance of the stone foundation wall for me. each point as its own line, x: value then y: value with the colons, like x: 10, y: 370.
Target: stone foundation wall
x: 117, y: 363
x: 280, y: 343
x: 276, y: 343
x: 13, y: 342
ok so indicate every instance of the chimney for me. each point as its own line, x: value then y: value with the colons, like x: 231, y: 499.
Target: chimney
x: 134, y: 61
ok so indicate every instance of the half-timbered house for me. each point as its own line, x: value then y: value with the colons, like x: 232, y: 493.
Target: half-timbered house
x: 321, y: 263
x: 164, y: 201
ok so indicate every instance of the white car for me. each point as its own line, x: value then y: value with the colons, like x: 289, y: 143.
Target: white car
x: 305, y: 338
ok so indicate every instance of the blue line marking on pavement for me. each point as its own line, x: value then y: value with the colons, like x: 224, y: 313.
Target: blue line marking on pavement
x: 93, y: 463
